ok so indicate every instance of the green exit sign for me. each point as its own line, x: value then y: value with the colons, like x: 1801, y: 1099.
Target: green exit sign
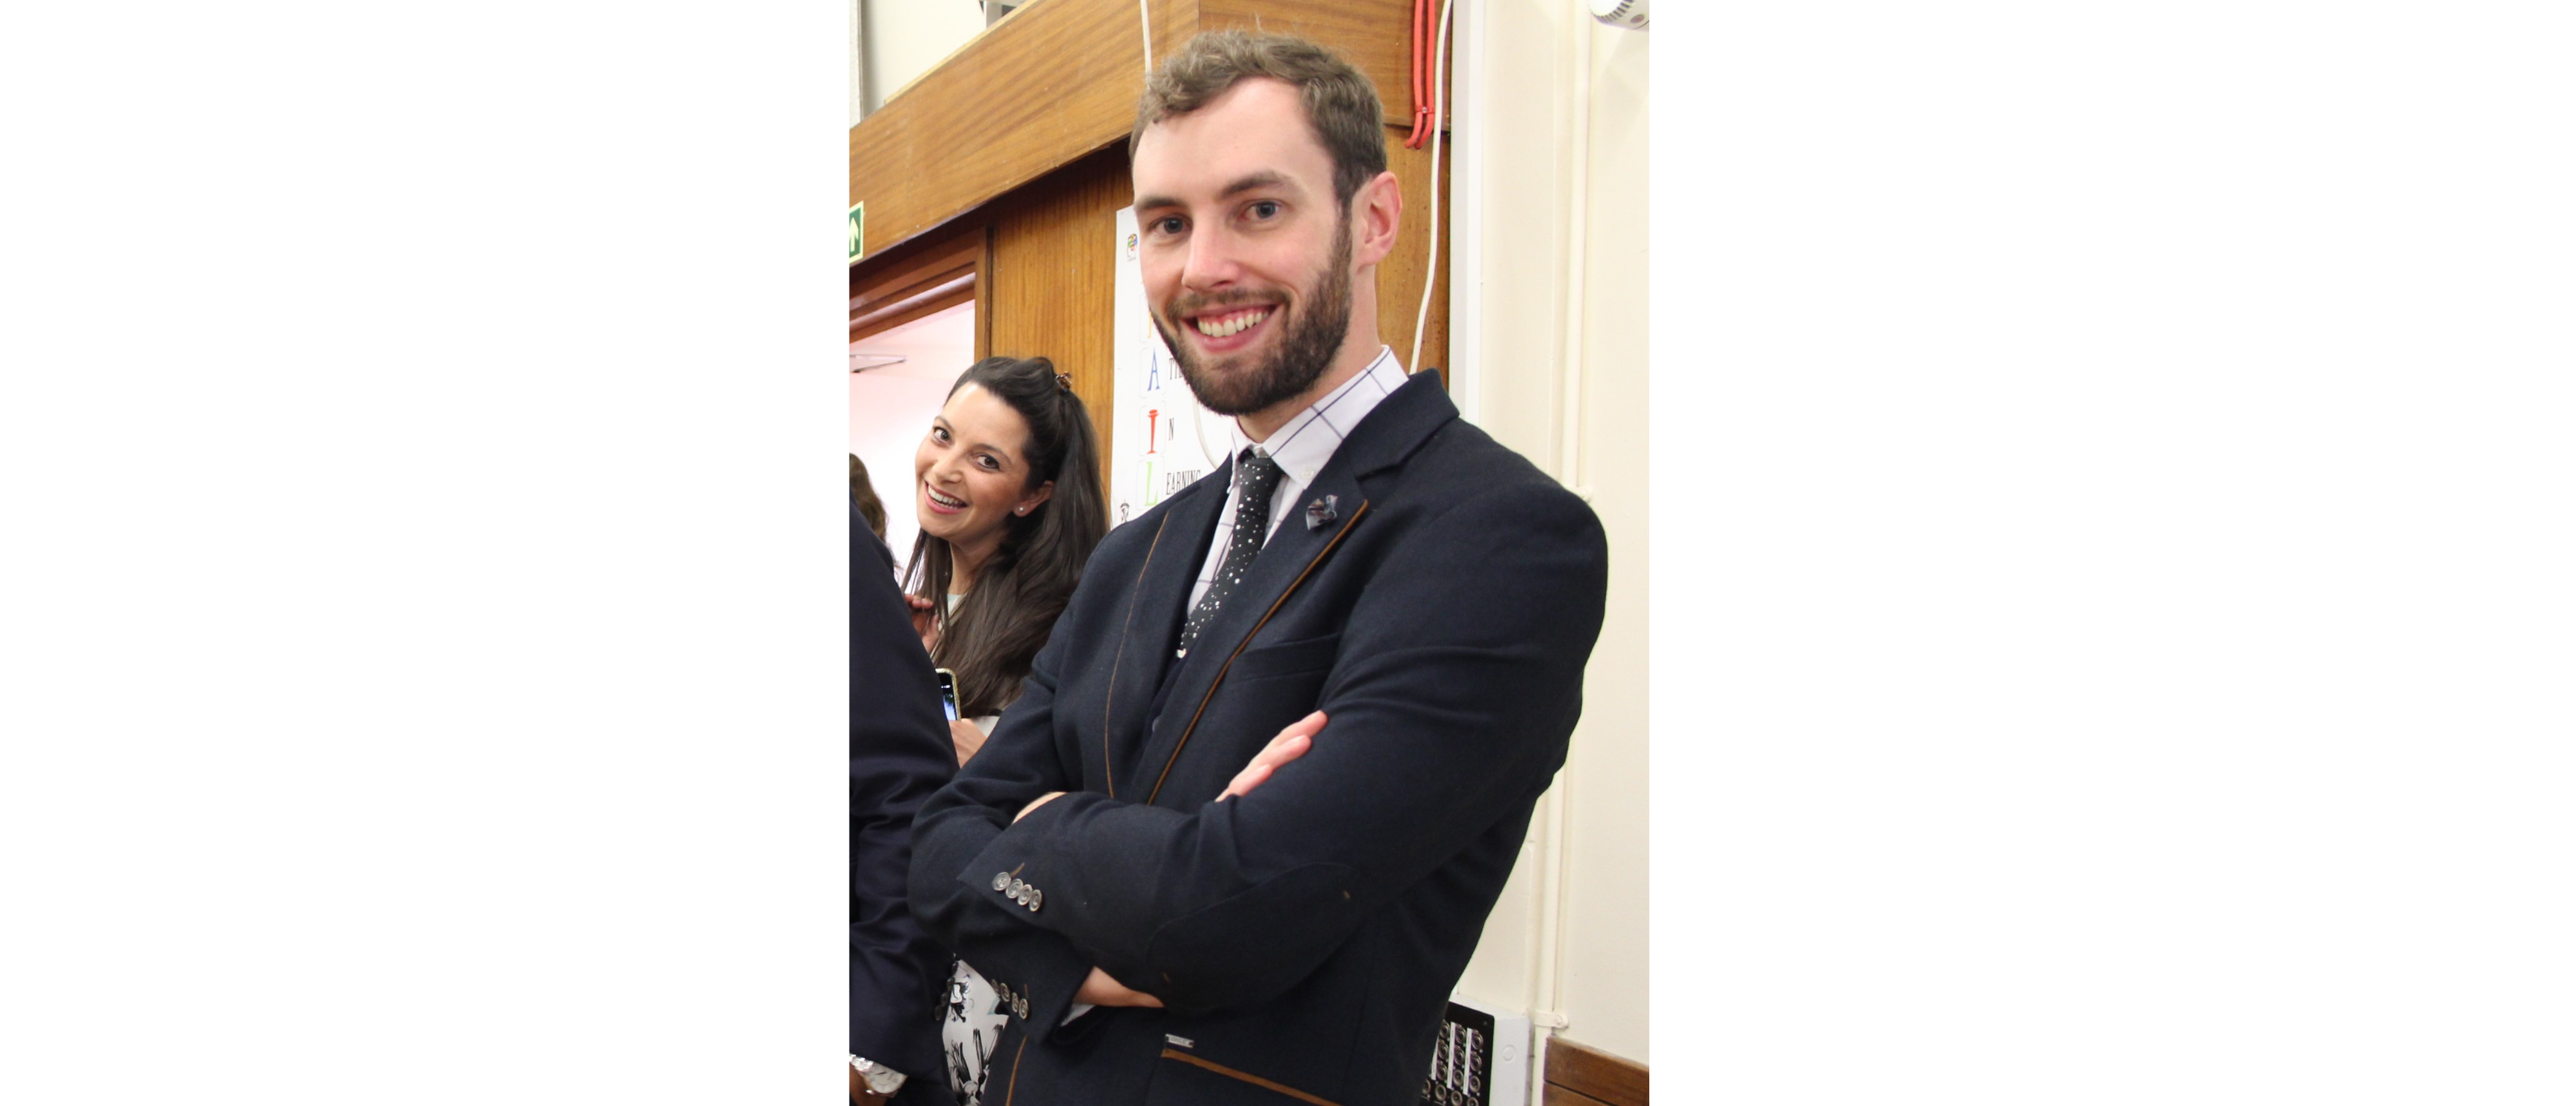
x: 858, y: 232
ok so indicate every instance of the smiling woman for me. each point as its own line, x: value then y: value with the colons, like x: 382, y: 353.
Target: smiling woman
x: 1007, y: 485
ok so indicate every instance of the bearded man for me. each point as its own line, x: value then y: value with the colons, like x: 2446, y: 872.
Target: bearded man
x: 1238, y: 837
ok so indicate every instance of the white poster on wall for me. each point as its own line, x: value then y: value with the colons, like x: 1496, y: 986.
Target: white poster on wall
x: 1164, y: 439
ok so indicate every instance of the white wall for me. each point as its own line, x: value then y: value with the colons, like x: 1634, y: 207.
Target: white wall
x: 859, y: 103
x: 898, y: 40
x: 1604, y: 966
x: 1569, y: 942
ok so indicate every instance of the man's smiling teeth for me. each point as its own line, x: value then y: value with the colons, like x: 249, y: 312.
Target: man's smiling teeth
x: 944, y: 501
x: 1226, y: 325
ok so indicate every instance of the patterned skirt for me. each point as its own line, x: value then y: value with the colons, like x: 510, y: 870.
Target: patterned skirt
x: 970, y: 1032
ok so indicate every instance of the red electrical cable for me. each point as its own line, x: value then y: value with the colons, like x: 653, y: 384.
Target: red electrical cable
x: 1421, y: 97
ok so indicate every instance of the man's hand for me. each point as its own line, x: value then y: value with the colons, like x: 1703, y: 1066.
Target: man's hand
x: 1100, y: 990
x: 1289, y: 745
x: 1035, y: 803
x: 966, y: 737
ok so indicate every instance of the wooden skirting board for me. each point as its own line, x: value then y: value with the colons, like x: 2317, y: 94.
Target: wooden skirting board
x: 1579, y: 1076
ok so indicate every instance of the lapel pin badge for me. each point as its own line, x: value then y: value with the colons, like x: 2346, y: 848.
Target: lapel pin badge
x: 1322, y: 511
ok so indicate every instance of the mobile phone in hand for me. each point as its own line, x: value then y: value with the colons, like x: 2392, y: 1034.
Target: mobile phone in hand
x: 948, y: 692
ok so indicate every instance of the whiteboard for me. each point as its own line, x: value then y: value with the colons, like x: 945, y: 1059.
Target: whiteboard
x: 1164, y: 439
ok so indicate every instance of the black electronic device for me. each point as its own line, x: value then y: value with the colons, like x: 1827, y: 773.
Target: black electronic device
x: 1462, y: 1060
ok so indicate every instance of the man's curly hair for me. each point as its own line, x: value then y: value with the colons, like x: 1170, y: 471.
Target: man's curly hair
x: 1341, y: 105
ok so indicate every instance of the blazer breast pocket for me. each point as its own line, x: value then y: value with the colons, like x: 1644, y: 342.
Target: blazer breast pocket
x: 1266, y: 689
x: 1288, y: 658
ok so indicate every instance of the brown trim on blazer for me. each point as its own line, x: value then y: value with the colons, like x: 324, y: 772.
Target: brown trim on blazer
x: 1293, y: 585
x: 1109, y: 698
x: 1012, y: 1089
x: 1255, y: 1080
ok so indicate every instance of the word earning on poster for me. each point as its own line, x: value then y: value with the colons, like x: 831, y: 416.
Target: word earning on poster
x: 1164, y: 439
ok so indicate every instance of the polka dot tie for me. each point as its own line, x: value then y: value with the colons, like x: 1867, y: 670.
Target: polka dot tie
x: 1260, y: 477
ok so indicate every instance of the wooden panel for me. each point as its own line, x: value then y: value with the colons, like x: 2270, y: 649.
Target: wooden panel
x: 1050, y: 84
x: 1056, y: 81
x: 1175, y: 22
x: 1594, y: 1074
x: 1399, y: 277
x: 984, y: 294
x: 1054, y: 276
x: 914, y: 267
x: 1375, y: 35
x: 877, y: 303
x: 895, y: 314
x: 1555, y: 1095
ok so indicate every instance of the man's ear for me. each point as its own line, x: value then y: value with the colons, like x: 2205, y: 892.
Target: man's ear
x: 1377, y: 209
x: 1045, y: 491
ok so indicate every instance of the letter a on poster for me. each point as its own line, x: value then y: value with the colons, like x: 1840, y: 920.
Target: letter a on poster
x: 1164, y: 439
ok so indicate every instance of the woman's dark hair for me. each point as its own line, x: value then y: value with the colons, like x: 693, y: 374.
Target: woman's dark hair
x: 864, y: 494
x: 997, y: 629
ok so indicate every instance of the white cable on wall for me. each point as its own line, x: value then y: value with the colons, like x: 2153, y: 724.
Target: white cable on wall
x: 1431, y: 262
x: 1467, y: 183
x: 1578, y: 239
x: 1548, y: 983
x: 1145, y: 16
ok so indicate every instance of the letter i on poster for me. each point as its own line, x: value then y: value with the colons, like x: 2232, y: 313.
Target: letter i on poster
x: 1161, y: 440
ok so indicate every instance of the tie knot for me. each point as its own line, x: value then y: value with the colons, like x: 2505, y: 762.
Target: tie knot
x: 1260, y: 473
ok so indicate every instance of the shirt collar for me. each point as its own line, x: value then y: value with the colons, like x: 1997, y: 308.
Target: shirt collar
x: 1307, y: 440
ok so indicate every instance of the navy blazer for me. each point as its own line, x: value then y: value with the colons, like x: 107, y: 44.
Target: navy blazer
x: 1306, y: 937
x: 899, y: 753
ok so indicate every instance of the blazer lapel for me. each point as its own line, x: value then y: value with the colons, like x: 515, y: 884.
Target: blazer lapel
x: 1400, y: 424
x: 1159, y: 593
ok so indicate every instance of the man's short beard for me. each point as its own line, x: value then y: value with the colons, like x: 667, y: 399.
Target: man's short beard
x: 1305, y: 350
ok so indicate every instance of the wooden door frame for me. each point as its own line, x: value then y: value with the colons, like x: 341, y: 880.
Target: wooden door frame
x: 922, y: 277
